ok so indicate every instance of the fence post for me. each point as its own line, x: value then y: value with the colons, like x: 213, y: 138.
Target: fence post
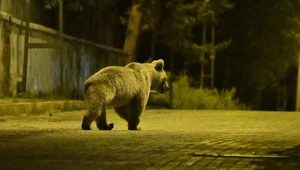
x: 61, y: 47
x: 25, y: 60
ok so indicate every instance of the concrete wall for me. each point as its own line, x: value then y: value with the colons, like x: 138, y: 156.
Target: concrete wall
x: 81, y: 58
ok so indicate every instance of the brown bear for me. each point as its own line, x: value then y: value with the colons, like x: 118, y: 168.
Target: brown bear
x: 126, y: 89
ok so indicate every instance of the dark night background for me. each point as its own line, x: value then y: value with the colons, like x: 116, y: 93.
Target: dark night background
x: 259, y: 61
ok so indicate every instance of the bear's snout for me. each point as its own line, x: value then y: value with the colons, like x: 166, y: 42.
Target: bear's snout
x: 167, y: 88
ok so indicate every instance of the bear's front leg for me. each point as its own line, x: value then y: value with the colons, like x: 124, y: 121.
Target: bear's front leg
x: 137, y: 106
x: 134, y: 126
x: 123, y: 112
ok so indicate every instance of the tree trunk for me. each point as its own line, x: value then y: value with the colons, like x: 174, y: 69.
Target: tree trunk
x: 171, y: 77
x: 152, y: 46
x: 256, y: 99
x: 202, y: 58
x: 281, y: 96
x: 133, y: 28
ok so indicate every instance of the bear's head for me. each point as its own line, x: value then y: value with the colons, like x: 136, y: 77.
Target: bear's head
x: 159, y: 77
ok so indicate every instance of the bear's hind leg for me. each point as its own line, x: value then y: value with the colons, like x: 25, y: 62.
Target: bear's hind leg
x: 101, y: 120
x: 89, y: 117
x: 93, y: 104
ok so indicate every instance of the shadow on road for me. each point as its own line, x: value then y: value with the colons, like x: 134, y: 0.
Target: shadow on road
x: 290, y: 162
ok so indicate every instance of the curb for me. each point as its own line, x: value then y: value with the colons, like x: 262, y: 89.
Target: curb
x: 40, y: 107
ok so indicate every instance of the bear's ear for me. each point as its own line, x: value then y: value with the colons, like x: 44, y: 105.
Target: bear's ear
x: 159, y: 66
x: 154, y: 62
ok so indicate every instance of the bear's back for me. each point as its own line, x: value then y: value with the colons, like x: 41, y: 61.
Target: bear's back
x: 117, y: 84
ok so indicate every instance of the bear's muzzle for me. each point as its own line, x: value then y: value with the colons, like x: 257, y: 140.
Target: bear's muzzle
x: 167, y: 88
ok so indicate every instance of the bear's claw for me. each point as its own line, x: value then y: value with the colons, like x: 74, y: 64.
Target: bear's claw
x: 134, y: 128
x: 107, y: 127
x: 110, y: 126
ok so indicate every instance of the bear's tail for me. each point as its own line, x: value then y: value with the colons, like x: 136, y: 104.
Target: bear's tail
x: 86, y: 87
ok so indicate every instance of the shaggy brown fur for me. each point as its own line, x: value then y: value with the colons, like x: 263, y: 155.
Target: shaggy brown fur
x: 126, y: 89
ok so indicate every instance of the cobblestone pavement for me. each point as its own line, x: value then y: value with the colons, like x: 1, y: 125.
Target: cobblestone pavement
x: 169, y: 139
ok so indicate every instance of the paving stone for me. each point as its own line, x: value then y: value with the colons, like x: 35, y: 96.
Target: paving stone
x: 166, y: 141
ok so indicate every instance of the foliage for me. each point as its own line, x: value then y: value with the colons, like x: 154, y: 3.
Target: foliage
x: 269, y: 41
x: 76, y: 5
x: 185, y: 97
x: 173, y: 21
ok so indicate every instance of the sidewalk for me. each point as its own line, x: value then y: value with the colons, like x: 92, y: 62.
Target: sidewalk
x: 29, y: 106
x: 16, y: 106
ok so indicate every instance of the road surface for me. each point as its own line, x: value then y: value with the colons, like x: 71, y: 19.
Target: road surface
x: 169, y: 139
